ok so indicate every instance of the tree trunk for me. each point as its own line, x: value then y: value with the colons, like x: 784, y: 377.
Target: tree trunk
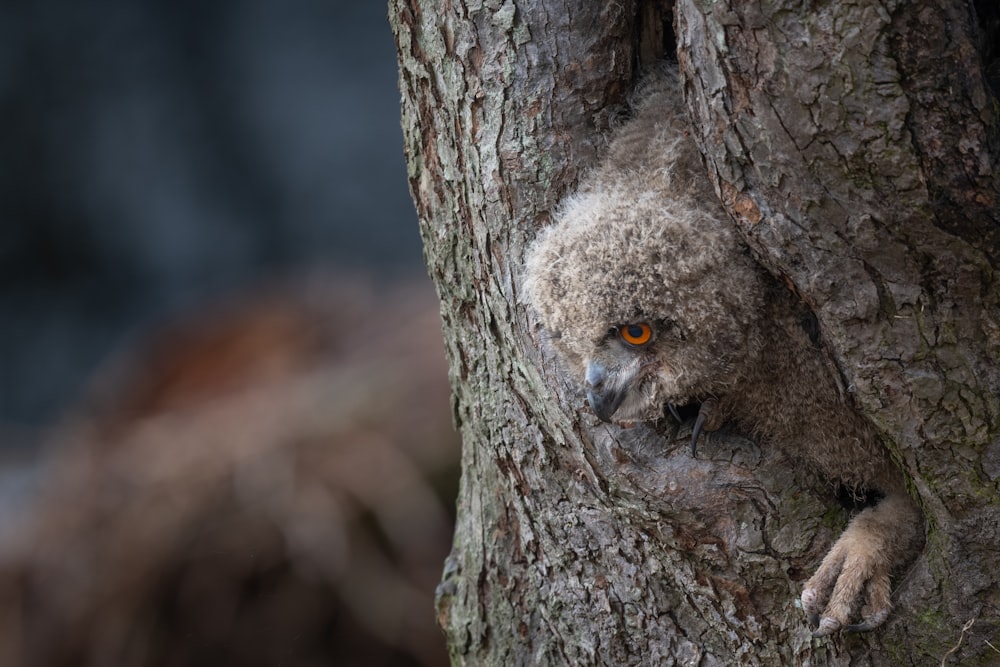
x: 854, y: 144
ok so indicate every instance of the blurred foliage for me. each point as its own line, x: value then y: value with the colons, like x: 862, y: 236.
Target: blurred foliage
x: 260, y: 483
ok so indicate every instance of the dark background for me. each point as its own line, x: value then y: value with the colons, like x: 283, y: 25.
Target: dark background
x: 159, y: 155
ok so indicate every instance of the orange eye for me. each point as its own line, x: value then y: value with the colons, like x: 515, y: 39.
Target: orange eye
x: 636, y: 334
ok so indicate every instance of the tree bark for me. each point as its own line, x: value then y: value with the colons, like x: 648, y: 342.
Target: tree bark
x: 858, y: 161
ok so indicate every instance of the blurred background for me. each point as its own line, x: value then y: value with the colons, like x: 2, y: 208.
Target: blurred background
x: 224, y: 424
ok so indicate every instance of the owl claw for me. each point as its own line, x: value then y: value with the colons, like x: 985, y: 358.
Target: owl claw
x: 698, y: 423
x: 854, y: 575
x: 706, y: 413
x: 861, y: 627
x: 827, y: 627
x: 674, y: 412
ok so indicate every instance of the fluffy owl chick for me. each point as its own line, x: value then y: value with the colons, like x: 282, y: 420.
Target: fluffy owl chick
x: 654, y: 301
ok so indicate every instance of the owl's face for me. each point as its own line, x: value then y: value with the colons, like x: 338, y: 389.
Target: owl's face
x: 648, y: 304
x: 625, y: 380
x: 640, y: 368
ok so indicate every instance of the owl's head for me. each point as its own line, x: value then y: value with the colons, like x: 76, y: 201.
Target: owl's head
x: 650, y: 299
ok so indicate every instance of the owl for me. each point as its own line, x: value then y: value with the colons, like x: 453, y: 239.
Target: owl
x: 653, y: 301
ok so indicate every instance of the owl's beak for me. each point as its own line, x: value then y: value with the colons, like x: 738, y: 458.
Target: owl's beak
x: 604, y: 396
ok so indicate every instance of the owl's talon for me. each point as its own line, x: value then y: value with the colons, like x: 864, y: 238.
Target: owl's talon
x: 855, y: 573
x: 708, y: 418
x: 698, y: 423
x: 673, y: 411
x: 864, y: 626
x: 827, y: 627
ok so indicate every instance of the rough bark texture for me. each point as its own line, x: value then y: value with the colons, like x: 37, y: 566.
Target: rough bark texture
x: 859, y: 162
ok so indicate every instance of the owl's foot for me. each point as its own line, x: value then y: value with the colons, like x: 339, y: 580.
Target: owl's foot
x: 841, y: 597
x: 709, y: 418
x: 855, y: 573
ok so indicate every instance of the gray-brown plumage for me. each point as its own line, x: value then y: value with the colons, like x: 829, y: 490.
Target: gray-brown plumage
x: 655, y: 301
